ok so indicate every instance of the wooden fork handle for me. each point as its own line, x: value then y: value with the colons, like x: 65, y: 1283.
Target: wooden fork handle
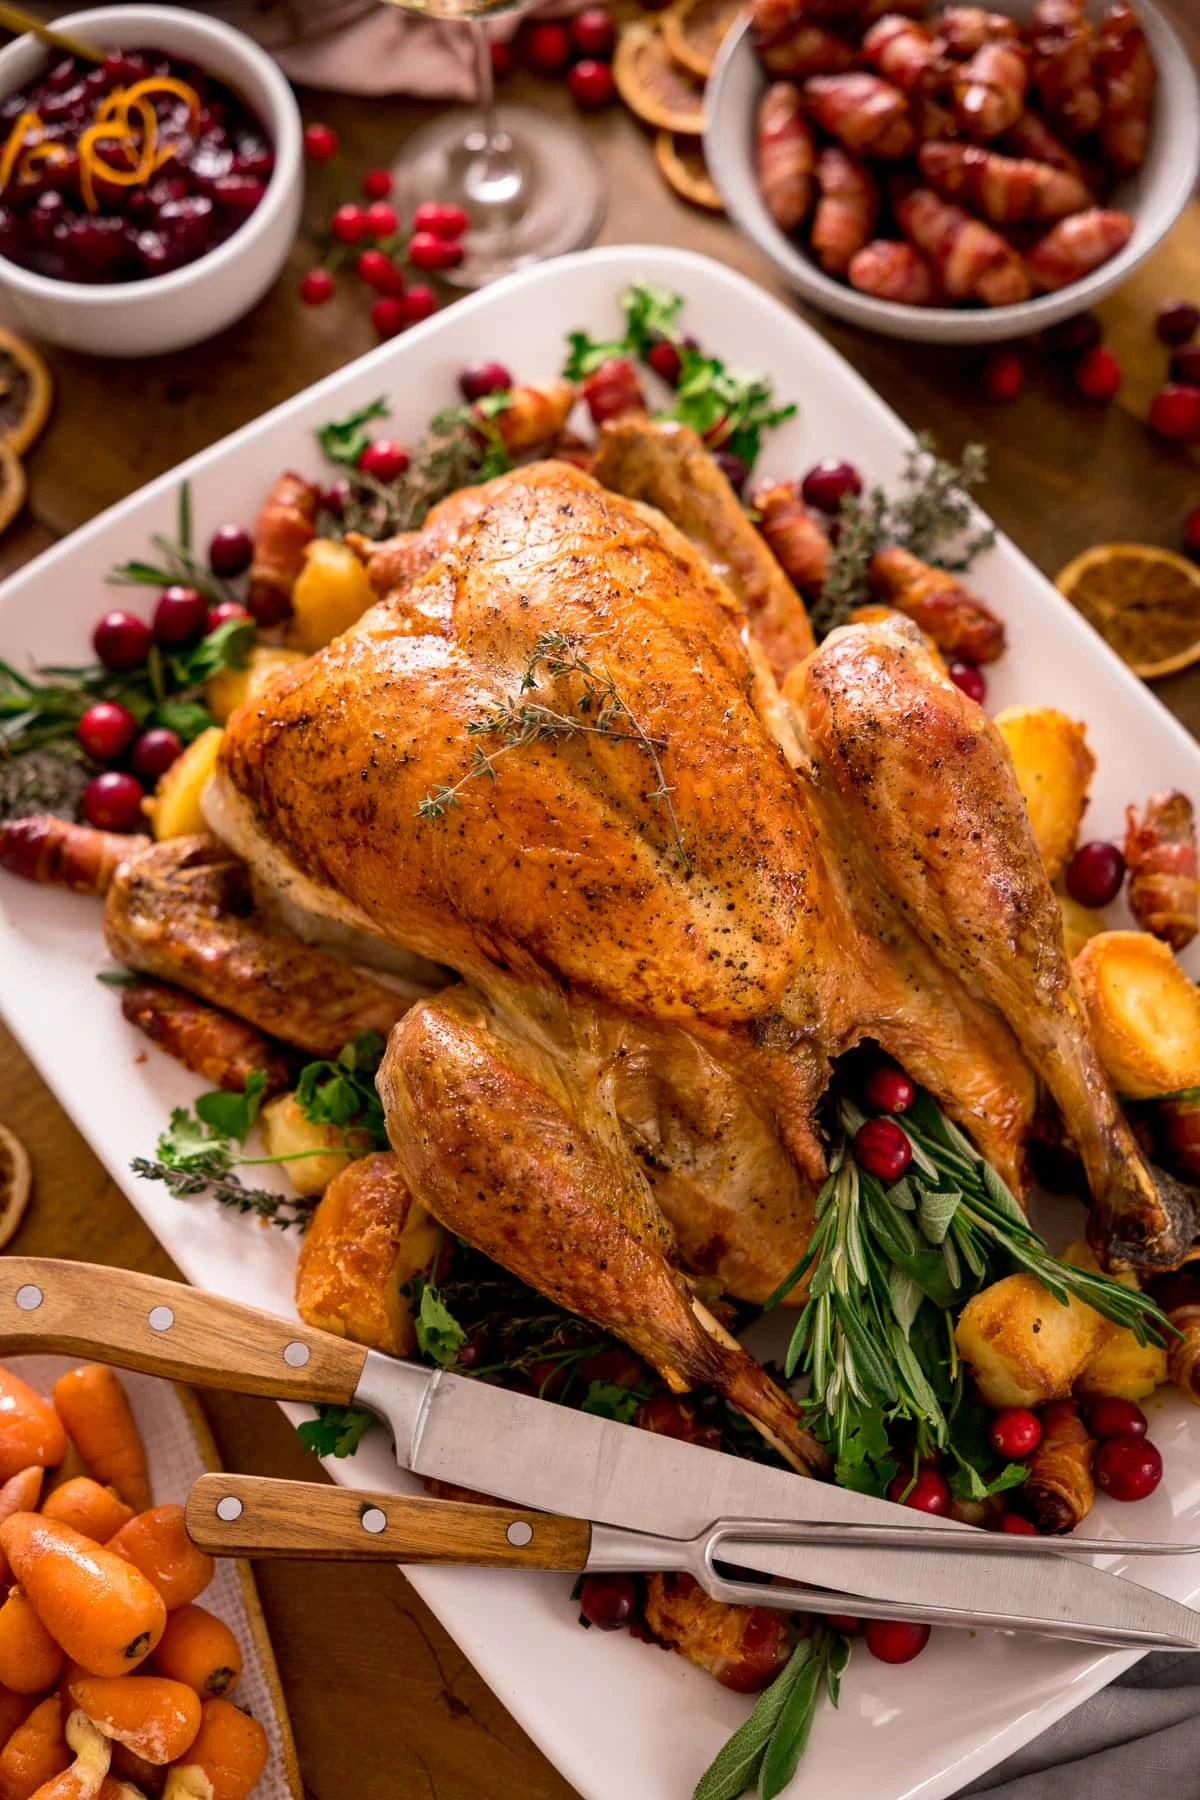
x: 164, y: 1328
x: 253, y: 1515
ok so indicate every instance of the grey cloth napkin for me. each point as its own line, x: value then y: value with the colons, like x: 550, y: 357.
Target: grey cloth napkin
x: 1137, y: 1738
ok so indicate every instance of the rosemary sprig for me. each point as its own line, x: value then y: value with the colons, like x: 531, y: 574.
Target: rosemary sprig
x: 179, y: 562
x: 765, y: 1751
x: 596, y: 710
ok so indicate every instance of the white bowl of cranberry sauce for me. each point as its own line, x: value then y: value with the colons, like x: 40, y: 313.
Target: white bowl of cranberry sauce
x: 149, y: 200
x: 1152, y: 195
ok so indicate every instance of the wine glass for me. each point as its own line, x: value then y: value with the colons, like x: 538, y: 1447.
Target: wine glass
x: 526, y: 180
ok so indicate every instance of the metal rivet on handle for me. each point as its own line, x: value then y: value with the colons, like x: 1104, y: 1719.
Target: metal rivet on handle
x: 373, y: 1519
x: 519, y: 1533
x: 160, y: 1318
x: 229, y: 1508
x: 296, y: 1355
x: 29, y: 1297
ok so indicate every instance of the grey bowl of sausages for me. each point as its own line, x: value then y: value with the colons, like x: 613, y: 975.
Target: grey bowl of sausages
x: 958, y: 175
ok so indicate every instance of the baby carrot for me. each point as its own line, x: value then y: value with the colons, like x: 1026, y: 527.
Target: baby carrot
x: 157, y: 1719
x: 230, y: 1751
x: 14, y: 1710
x: 36, y: 1751
x: 85, y: 1777
x: 20, y: 1493
x: 94, y: 1407
x: 157, y: 1543
x: 98, y: 1512
x: 200, y: 1650
x: 102, y: 1610
x: 30, y: 1429
x: 30, y: 1660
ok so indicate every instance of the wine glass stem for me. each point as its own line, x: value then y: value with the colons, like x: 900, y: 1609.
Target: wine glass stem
x: 495, y: 178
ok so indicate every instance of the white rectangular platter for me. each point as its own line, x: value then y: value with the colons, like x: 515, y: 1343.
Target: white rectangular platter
x: 621, y: 1719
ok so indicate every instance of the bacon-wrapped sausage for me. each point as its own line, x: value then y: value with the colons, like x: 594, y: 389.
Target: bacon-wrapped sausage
x: 1178, y: 1124
x: 868, y: 115
x: 56, y: 853
x: 787, y: 153
x: 956, y: 619
x: 534, y: 416
x: 847, y: 208
x: 1160, y: 853
x: 614, y: 391
x: 1125, y: 75
x: 790, y: 42
x: 743, y: 1646
x: 223, y: 1049
x: 800, y: 546
x: 1031, y: 136
x: 675, y: 1416
x: 1059, y: 1490
x: 904, y: 51
x: 1009, y: 190
x: 1179, y: 1296
x: 285, y: 528
x: 965, y: 29
x: 989, y: 89
x: 1075, y: 246
x: 893, y: 271
x: 970, y: 259
x: 1062, y: 65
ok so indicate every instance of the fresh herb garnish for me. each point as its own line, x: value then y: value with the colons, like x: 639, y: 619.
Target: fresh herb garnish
x: 596, y: 710
x: 343, y: 1093
x: 336, y: 1430
x: 461, y: 448
x: 440, y: 1337
x: 930, y: 514
x: 344, y: 440
x: 609, y: 1400
x: 765, y: 1751
x: 179, y: 563
x: 652, y: 314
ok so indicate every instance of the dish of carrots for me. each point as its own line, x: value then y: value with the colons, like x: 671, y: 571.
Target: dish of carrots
x: 115, y: 1684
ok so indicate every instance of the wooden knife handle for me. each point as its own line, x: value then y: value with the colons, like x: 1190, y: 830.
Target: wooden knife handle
x: 301, y: 1519
x: 164, y: 1328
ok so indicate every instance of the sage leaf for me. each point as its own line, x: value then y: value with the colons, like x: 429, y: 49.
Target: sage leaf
x: 735, y: 1766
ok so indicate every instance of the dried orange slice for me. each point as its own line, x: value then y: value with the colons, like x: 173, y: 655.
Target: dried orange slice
x: 694, y: 31
x: 15, y: 1180
x: 26, y: 392
x: 652, y: 84
x: 12, y: 485
x: 681, y: 162
x: 1144, y: 601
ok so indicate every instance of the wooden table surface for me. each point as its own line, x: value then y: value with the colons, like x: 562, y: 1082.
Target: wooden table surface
x: 384, y: 1706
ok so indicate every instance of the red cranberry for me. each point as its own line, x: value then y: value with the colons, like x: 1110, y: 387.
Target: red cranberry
x: 1191, y: 533
x: 377, y: 184
x: 113, y: 801
x: 665, y: 359
x: 829, y: 483
x: 320, y: 142
x: 426, y: 251
x: 240, y: 194
x: 379, y: 272
x: 844, y: 1622
x: 895, y: 1640
x: 388, y: 316
x: 882, y: 1149
x: 1003, y: 375
x: 225, y: 612
x: 380, y: 219
x: 1098, y: 374
x: 1072, y: 337
x: 1095, y: 873
x: 482, y: 378
x: 317, y: 287
x: 383, y: 459
x: 419, y: 303
x: 1113, y: 1417
x: 502, y: 59
x: 448, y: 222
x: 155, y: 751
x: 181, y: 614
x: 1128, y: 1467
x: 548, y: 48
x: 1016, y: 1526
x: 888, y: 1089
x: 1015, y: 1432
x: 732, y: 468
x: 1175, y: 413
x: 229, y: 551
x: 928, y: 1493
x: 593, y: 32
x: 968, y: 677
x: 1177, y: 321
x: 106, y: 729
x: 348, y: 223
x: 608, y: 1601
x: 591, y: 84
x: 1185, y: 365
x: 121, y: 640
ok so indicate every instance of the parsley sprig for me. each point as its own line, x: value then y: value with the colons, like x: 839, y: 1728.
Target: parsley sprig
x: 764, y: 1753
x: 336, y: 1430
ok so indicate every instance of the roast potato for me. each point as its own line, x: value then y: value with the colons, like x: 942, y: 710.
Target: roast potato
x: 367, y: 1240
x: 332, y: 591
x: 1121, y: 1365
x: 174, y: 807
x: 1023, y: 1345
x: 286, y: 1132
x: 1054, y: 772
x: 1143, y: 1011
x: 225, y: 691
x: 1079, y: 924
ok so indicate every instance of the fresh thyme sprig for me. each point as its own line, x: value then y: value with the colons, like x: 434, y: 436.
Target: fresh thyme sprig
x: 765, y: 1751
x: 461, y: 448
x: 596, y: 710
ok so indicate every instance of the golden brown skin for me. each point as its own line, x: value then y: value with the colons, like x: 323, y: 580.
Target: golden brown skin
x: 225, y: 1050
x: 744, y: 1647
x: 367, y: 1240
x: 180, y: 911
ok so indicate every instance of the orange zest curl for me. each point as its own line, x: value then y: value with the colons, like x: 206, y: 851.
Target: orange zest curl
x: 15, y: 143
